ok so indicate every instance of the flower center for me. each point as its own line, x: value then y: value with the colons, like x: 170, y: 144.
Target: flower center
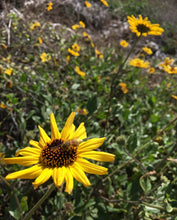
x: 58, y: 154
x: 143, y: 28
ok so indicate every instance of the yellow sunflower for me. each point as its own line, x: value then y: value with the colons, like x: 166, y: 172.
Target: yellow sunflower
x: 61, y: 156
x: 143, y: 27
x: 139, y: 63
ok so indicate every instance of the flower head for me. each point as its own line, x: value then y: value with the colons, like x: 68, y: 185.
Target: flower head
x: 76, y: 47
x: 123, y: 43
x: 170, y: 69
x: 2, y: 105
x: 104, y: 2
x: 49, y: 6
x: 34, y: 25
x: 147, y: 50
x: 72, y: 52
x: 98, y: 53
x: 78, y: 26
x: 88, y: 4
x: 9, y: 71
x: 123, y: 87
x: 151, y: 70
x: 61, y: 156
x: 139, y: 63
x: 44, y: 57
x: 143, y: 27
x: 82, y: 111
x: 40, y: 40
x: 78, y: 71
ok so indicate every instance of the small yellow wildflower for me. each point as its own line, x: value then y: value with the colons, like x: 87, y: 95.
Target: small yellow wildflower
x: 40, y: 40
x: 143, y: 27
x: 174, y: 96
x: 88, y: 4
x: 72, y: 52
x: 167, y: 61
x: 49, y: 6
x: 82, y: 24
x: 98, y: 53
x: 123, y: 43
x: 123, y: 87
x: 78, y: 71
x: 139, y: 63
x: 170, y: 69
x: 77, y: 26
x: 104, y: 2
x: 44, y: 57
x: 147, y: 50
x: 151, y: 70
x: 34, y: 25
x: 2, y: 105
x: 68, y: 58
x: 82, y: 111
x: 9, y: 71
x: 87, y: 36
x: 76, y: 47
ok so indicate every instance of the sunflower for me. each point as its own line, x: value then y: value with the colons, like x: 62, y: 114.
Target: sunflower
x: 123, y: 43
x: 139, y: 63
x: 143, y: 27
x: 61, y: 156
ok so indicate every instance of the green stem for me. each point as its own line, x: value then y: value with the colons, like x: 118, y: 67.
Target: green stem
x: 45, y: 196
x: 122, y: 65
x: 113, y: 84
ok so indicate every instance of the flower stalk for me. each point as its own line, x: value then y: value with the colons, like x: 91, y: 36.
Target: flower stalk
x: 36, y: 206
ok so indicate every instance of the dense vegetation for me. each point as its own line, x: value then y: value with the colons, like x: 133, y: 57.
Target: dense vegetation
x: 134, y: 107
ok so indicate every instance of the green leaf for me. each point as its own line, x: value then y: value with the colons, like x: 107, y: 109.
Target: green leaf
x: 24, y: 204
x: 145, y: 183
x: 92, y: 104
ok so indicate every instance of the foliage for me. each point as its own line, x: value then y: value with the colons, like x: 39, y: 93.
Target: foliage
x: 139, y: 126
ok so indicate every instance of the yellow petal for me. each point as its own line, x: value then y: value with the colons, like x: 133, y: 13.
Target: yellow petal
x: 44, y: 176
x: 69, y: 181
x: 90, y: 167
x: 80, y: 133
x: 90, y: 144
x: 55, y: 134
x: 35, y: 144
x: 68, y: 126
x: 79, y: 175
x: 99, y: 156
x: 29, y: 173
x: 44, y: 138
x: 29, y: 151
x: 71, y: 132
x: 25, y: 161
x: 58, y: 175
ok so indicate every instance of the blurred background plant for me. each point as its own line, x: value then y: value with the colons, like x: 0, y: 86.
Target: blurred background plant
x: 38, y: 75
